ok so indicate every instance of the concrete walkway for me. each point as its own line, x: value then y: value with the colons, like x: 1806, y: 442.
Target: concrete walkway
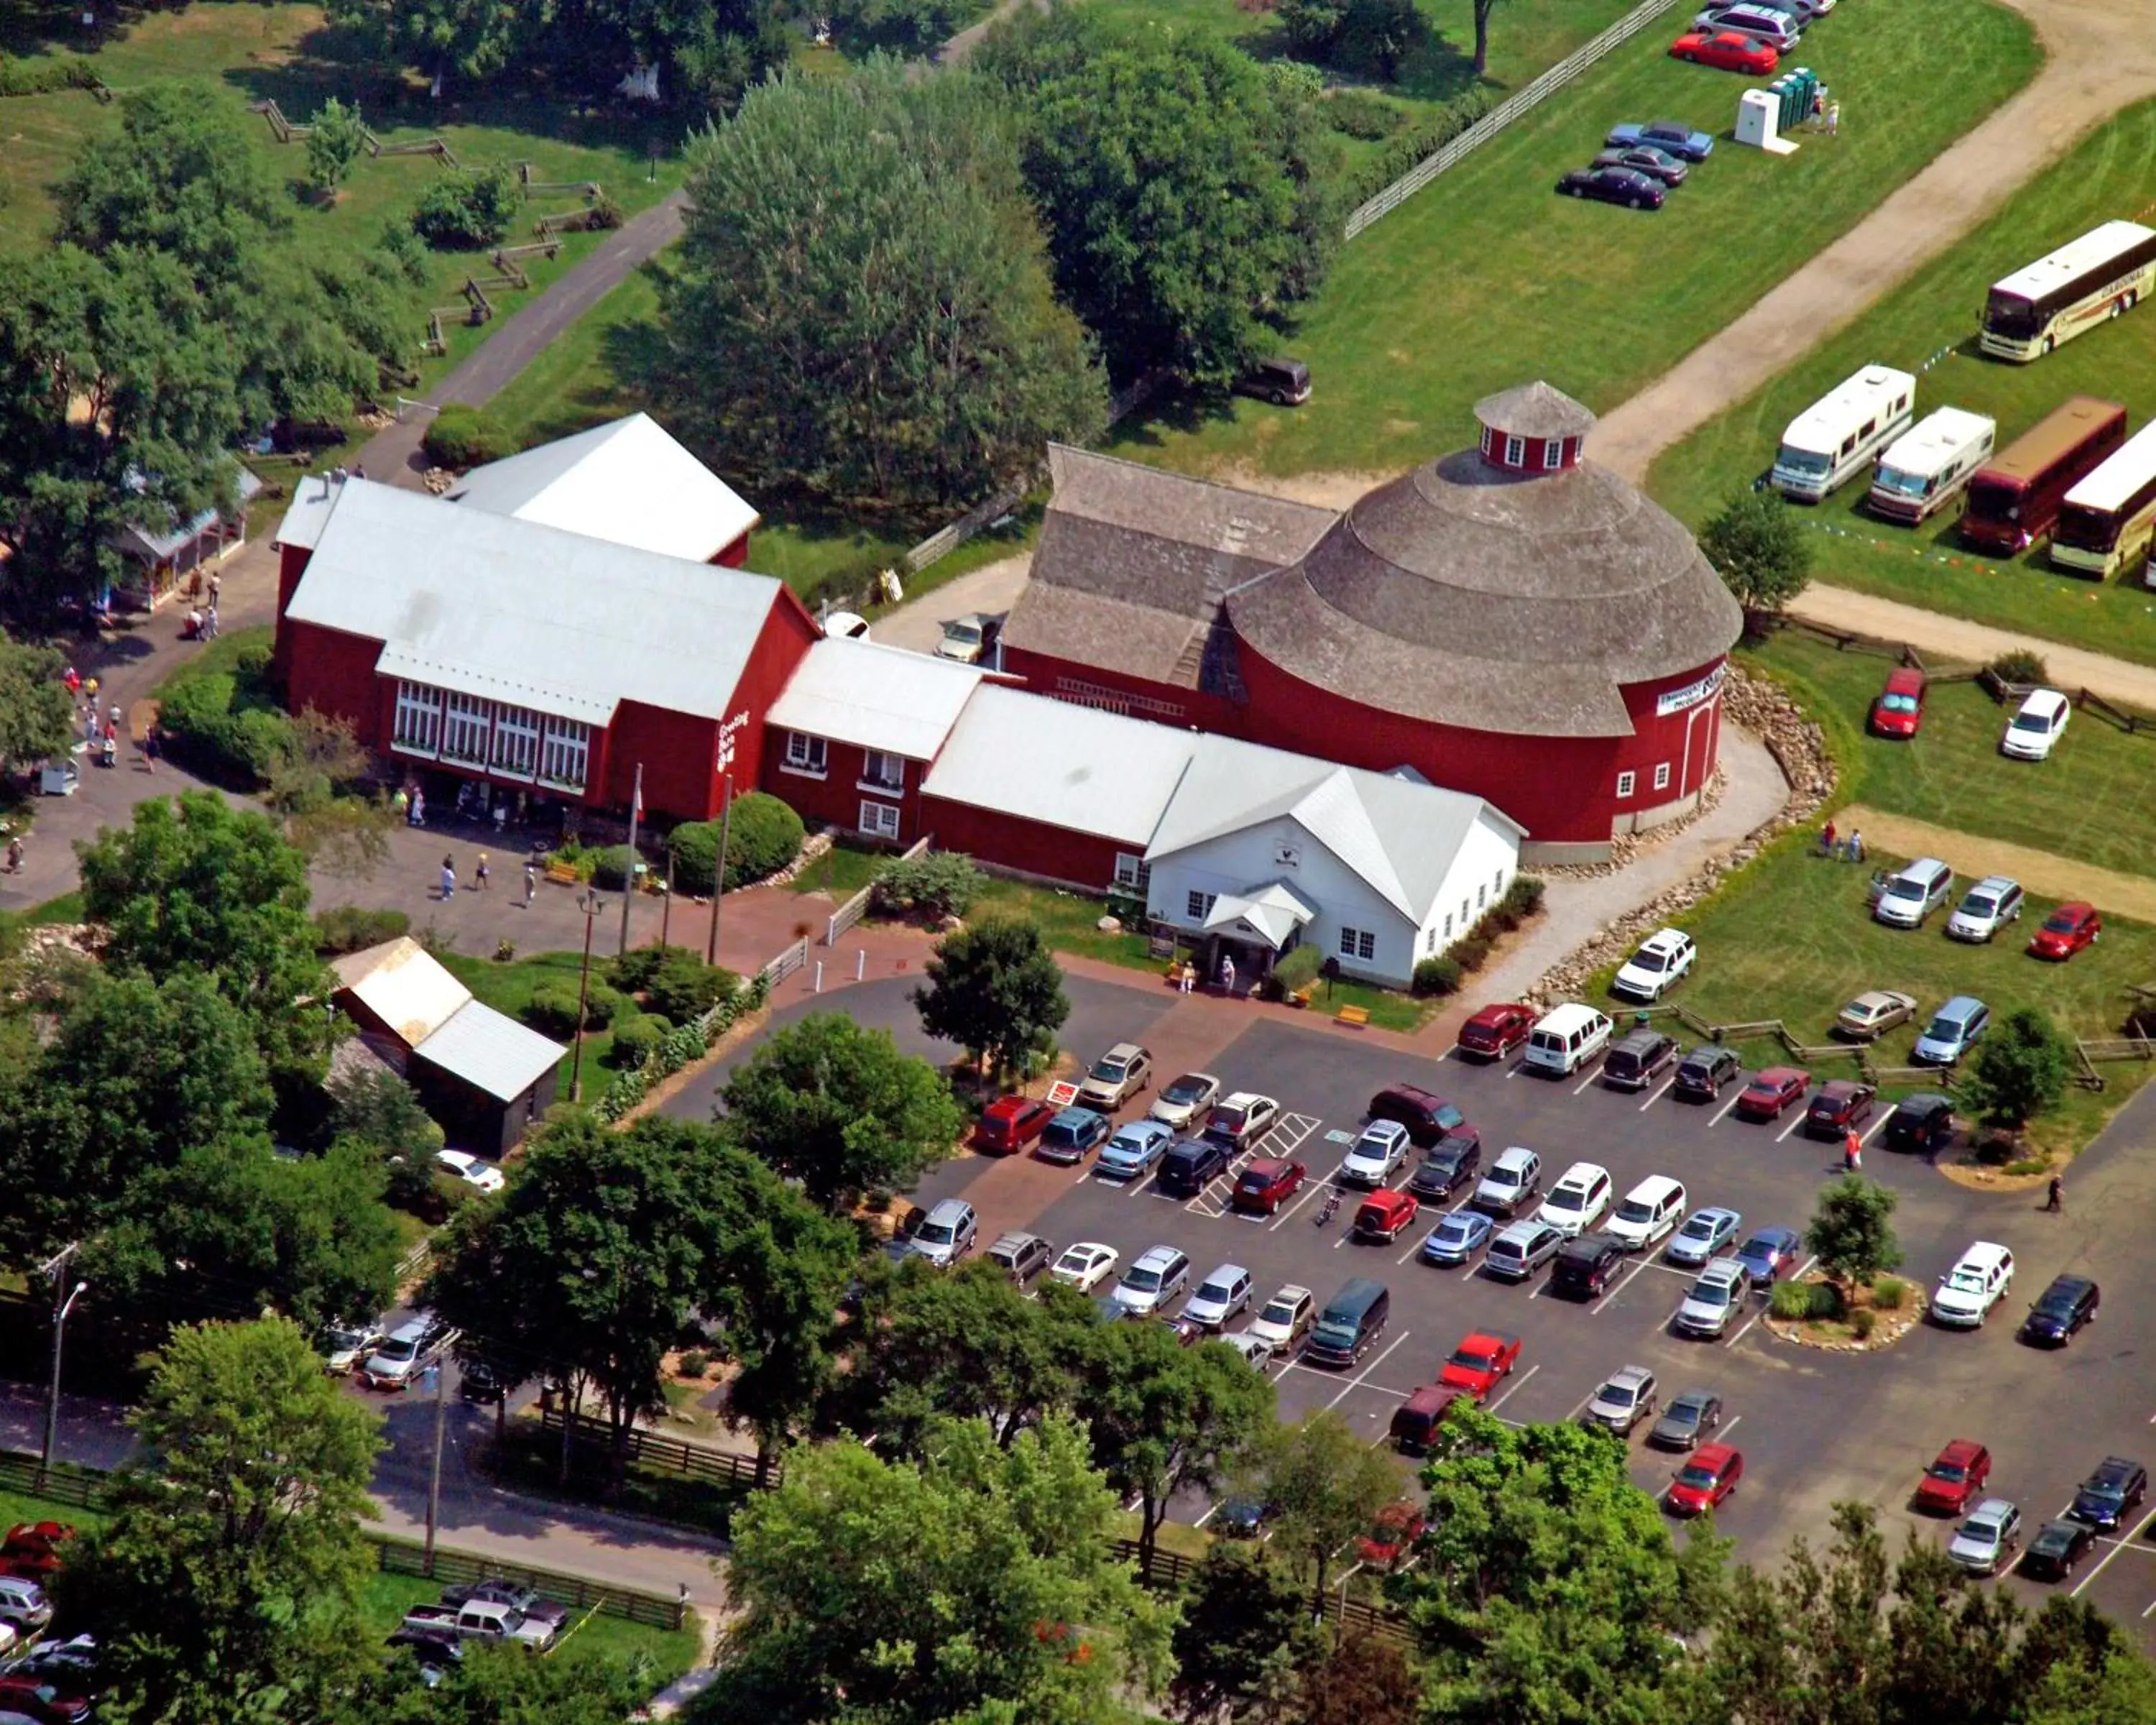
x: 992, y: 589
x: 1970, y: 854
x: 2100, y: 56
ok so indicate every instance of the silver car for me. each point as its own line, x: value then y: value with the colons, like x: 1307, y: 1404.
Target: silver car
x: 1513, y: 1178
x: 1986, y: 1543
x: 1622, y: 1402
x: 1718, y: 1295
x: 1986, y: 908
x: 1704, y: 1235
x: 948, y: 1234
x: 1158, y: 1276
x: 1222, y: 1294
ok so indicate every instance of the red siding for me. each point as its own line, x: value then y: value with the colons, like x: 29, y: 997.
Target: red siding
x: 735, y: 555
x: 334, y: 672
x: 789, y: 632
x: 835, y: 799
x: 1160, y: 702
x: 675, y: 750
x: 1054, y: 853
x: 291, y: 564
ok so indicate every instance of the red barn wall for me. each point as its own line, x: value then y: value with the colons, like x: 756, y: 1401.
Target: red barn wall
x: 788, y: 634
x: 334, y: 673
x: 675, y: 750
x: 1162, y: 703
x: 836, y: 798
x: 1078, y: 859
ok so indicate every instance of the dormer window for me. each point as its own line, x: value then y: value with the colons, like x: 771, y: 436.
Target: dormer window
x: 1516, y: 452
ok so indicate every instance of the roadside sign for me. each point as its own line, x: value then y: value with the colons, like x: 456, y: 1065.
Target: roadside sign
x: 1062, y: 1093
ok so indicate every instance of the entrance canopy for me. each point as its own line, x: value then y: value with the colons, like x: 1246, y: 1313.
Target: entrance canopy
x: 1271, y: 915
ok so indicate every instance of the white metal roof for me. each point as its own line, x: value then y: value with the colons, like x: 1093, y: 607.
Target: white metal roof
x: 2034, y: 280
x: 527, y: 614
x: 1935, y: 440
x: 404, y: 986
x: 490, y: 1051
x: 2122, y: 473
x: 1822, y: 426
x: 876, y: 697
x: 628, y: 482
x: 313, y: 497
x: 1276, y: 911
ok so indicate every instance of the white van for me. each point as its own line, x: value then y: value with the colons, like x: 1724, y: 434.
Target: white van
x: 1927, y: 465
x: 1567, y: 1037
x: 1838, y: 436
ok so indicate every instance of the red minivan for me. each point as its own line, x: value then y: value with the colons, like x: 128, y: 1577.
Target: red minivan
x: 1899, y: 709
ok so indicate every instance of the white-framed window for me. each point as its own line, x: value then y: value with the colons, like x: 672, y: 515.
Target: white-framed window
x: 1516, y: 452
x: 1357, y: 943
x: 804, y: 753
x: 1481, y: 897
x: 880, y: 820
x: 1448, y: 924
x: 1662, y: 776
x: 885, y: 771
x: 1131, y: 872
x: 1625, y: 781
x: 1498, y: 885
x: 418, y: 719
x: 1553, y: 453
x: 516, y: 732
x: 1463, y: 913
x: 467, y: 726
x: 1197, y: 907
x: 1489, y: 441
x: 565, y: 754
x: 1429, y: 940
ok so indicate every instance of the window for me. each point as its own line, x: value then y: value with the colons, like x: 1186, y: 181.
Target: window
x: 1198, y: 906
x: 515, y: 742
x: 418, y: 719
x: 1481, y: 897
x: 1357, y: 943
x: 1489, y: 442
x: 466, y: 722
x: 1463, y: 913
x: 1448, y: 924
x: 1662, y: 777
x: 1516, y: 452
x: 1498, y: 885
x: 1625, y: 781
x: 1429, y: 940
x: 804, y: 753
x: 880, y: 820
x: 1552, y: 452
x: 887, y: 770
x: 565, y: 756
x: 1131, y: 872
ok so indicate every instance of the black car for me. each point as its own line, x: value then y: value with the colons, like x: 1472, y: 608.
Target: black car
x: 1427, y: 1116
x: 1923, y: 1123
x: 1455, y: 1160
x: 1190, y: 1166
x: 1242, y: 1518
x: 2057, y: 1547
x: 1636, y: 1058
x: 1702, y: 1073
x: 482, y: 1381
x: 2105, y: 1498
x: 1613, y: 185
x: 1585, y: 1267
x: 2060, y: 1309
x: 1689, y: 1417
x: 430, y: 1646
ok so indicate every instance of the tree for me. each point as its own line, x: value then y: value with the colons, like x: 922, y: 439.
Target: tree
x: 1370, y: 36
x: 2019, y: 1071
x: 1851, y: 1233
x: 838, y: 1108
x: 226, y: 1583
x: 1758, y: 546
x: 1483, y: 8
x: 974, y: 1579
x: 1325, y: 1486
x: 861, y: 250
x: 37, y: 715
x: 1246, y: 1631
x: 334, y: 143
x: 996, y: 990
x: 1187, y: 200
x: 1361, y: 1681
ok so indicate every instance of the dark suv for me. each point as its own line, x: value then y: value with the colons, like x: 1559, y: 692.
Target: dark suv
x: 1636, y: 1058
x: 1923, y: 1122
x: 2060, y: 1311
x: 1455, y: 1160
x: 1427, y: 1116
x: 1702, y: 1073
x: 1190, y: 1165
x: 1586, y: 1267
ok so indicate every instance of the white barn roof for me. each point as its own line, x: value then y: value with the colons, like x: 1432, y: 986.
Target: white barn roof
x: 876, y: 697
x: 404, y: 986
x: 491, y: 1052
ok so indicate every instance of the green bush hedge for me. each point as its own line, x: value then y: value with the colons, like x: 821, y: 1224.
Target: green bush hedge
x: 41, y: 77
x: 610, y: 867
x: 1358, y: 114
x: 637, y: 1038
x: 940, y: 884
x: 1524, y: 896
x: 2020, y: 665
x: 763, y: 836
x: 1437, y: 975
x: 1806, y: 1299
x: 684, y: 987
x: 461, y: 437
x: 1409, y: 148
x: 226, y: 724
x: 552, y: 1009
x: 467, y: 210
x: 353, y: 928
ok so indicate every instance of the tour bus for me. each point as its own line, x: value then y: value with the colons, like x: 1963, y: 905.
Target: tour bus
x: 2105, y: 521
x: 2014, y: 500
x: 1836, y: 439
x: 2055, y: 298
x: 1929, y: 464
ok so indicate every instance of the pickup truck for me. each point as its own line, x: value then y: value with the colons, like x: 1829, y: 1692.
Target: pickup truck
x: 485, y: 1620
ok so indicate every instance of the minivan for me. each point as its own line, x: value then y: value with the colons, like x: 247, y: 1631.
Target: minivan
x: 1284, y: 382
x: 1522, y: 1249
x: 1635, y: 1059
x: 1780, y: 30
x: 1346, y: 1328
x: 1650, y: 1210
x: 1911, y: 896
x: 1987, y: 907
x: 1415, y: 1421
x: 1566, y: 1038
x: 1953, y: 1031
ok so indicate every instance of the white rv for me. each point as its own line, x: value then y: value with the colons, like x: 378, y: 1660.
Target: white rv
x: 1838, y: 437
x: 1930, y: 463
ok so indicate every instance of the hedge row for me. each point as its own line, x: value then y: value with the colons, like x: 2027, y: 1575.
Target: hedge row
x: 1444, y: 973
x: 679, y: 1046
x: 21, y: 78
x: 1413, y: 145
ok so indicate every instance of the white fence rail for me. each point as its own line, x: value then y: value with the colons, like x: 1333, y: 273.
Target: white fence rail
x: 1504, y: 114
x: 786, y: 963
x: 857, y: 907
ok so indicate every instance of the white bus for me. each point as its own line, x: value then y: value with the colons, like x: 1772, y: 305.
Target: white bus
x: 1929, y: 464
x: 2055, y: 298
x: 1836, y: 439
x: 2105, y: 521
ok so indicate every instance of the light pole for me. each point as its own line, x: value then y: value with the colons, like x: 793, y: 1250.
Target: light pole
x: 719, y: 875
x: 590, y: 903
x: 440, y: 1372
x: 52, y: 1406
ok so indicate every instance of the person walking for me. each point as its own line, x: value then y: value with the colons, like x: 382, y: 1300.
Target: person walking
x: 530, y: 882
x: 1189, y: 978
x: 1826, y: 840
x: 150, y: 749
x: 2056, y: 1201
x: 418, y: 815
x: 1852, y: 1153
x: 449, y: 879
x: 478, y: 875
x: 15, y: 865
x: 1227, y: 974
x: 1855, y: 845
x: 216, y: 586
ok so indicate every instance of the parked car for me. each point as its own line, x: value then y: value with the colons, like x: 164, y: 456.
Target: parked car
x: 1650, y: 1213
x: 2034, y: 731
x: 1396, y: 1528
x: 970, y: 639
x: 1585, y: 1267
x: 1377, y: 1154
x: 1839, y: 1105
x: 1284, y: 382
x: 1257, y: 1352
x: 1673, y: 135
x: 1115, y: 1077
x: 1922, y: 1122
x: 2066, y: 930
x: 1156, y: 1277
x: 1223, y: 1293
x: 2061, y: 1310
x: 1415, y: 1421
x: 25, y: 1607
x: 405, y: 1351
x: 1613, y: 185
x: 1954, y: 1477
x: 1426, y: 1116
x: 1898, y: 710
x: 1010, y: 1123
x: 1874, y: 1012
x: 482, y: 1381
x: 1073, y: 1136
x: 1637, y: 1059
x: 1021, y: 1256
x: 468, y: 1170
x: 1966, y: 1292
x: 1645, y: 159
x: 29, y: 1695
x: 1726, y: 51
x: 2058, y: 1550
x: 1243, y: 1518
x: 1772, y: 1092
x: 1770, y: 1254
x: 1705, y: 1232
x: 1285, y: 1318
x: 1265, y: 1183
x: 1481, y: 1362
x: 1704, y: 1073
x: 1576, y: 1203
x: 485, y: 1620
x: 1446, y: 1167
x: 1522, y: 1249
x: 1383, y: 1215
x: 1986, y: 1543
x: 1985, y: 908
x: 1186, y: 1103
x: 344, y: 1346
x: 1494, y: 1031
x: 1513, y: 1178
x: 1717, y: 1297
x: 35, y: 1549
x: 1132, y: 1150
x: 1457, y: 1237
x: 1776, y: 26
x: 1662, y: 962
x: 2110, y: 1492
x: 1193, y: 1165
x: 951, y: 1231
x: 1242, y: 1119
x: 1953, y: 1031
x: 1702, y: 1482
x: 1690, y: 1416
x: 1626, y: 1398
x: 1084, y: 1266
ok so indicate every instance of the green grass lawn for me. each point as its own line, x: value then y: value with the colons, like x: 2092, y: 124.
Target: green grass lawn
x: 508, y: 987
x: 1487, y: 279
x: 581, y: 379
x: 2091, y: 801
x: 841, y: 871
x: 387, y: 1596
x: 2110, y: 173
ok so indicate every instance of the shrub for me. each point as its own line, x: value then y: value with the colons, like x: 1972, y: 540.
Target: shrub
x: 2019, y: 665
x: 1471, y: 952
x: 764, y: 835
x: 552, y: 1009
x: 228, y: 724
x: 686, y: 988
x: 1501, y: 918
x: 1437, y: 975
x: 42, y: 77
x: 604, y: 214
x: 1299, y: 968
x: 467, y: 210
x: 2028, y: 1165
x: 1408, y: 147
x: 942, y: 883
x: 351, y: 928
x: 1806, y: 1299
x: 1862, y: 1322
x: 694, y: 846
x: 633, y: 971
x: 1358, y: 114
x: 611, y: 867
x: 636, y: 1038
x: 505, y: 951
x: 1524, y: 896
x: 461, y: 437
x: 1888, y: 1292
x: 696, y: 1363
x: 400, y: 243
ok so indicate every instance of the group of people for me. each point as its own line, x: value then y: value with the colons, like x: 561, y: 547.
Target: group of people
x: 482, y: 871
x: 1834, y: 846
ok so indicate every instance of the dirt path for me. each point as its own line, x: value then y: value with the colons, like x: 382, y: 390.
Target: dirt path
x: 2100, y: 56
x: 1976, y: 643
x: 2043, y: 874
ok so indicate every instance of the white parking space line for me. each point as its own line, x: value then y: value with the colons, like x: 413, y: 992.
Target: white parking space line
x: 1206, y: 1517
x: 1746, y: 1331
x: 1871, y: 1131
x: 1794, y: 1124
x: 1519, y: 1384
x: 2104, y: 1562
x: 1722, y: 1435
x: 1413, y: 1248
x: 1356, y: 1382
x: 1658, y: 1094
x: 1722, y: 1113
x: 1580, y: 1088
x: 1629, y: 1277
x: 1310, y: 1189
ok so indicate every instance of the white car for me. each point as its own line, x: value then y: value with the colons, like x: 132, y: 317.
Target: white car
x: 1374, y: 1157
x: 1650, y: 1213
x: 1158, y: 1275
x: 1253, y: 1347
x: 1576, y: 1203
x: 1985, y: 908
x: 1185, y: 1103
x: 1222, y: 1294
x: 1084, y: 1266
x: 1289, y: 1312
x: 2041, y: 722
x: 344, y: 1346
x: 480, y: 1176
x: 1986, y: 1543
x: 1966, y: 1292
x: 1659, y: 964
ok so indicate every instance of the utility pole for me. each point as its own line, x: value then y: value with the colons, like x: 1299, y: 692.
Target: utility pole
x: 628, y: 885
x: 589, y: 902
x: 719, y: 873
x: 666, y: 904
x: 55, y: 1268
x: 440, y: 1372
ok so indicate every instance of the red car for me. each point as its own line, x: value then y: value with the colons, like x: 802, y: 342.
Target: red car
x: 1496, y: 1031
x: 1383, y: 1215
x: 1899, y: 708
x: 1010, y: 1123
x: 2066, y: 931
x: 1957, y: 1476
x: 1397, y: 1528
x: 1840, y: 1104
x: 1267, y: 1183
x: 1703, y: 1481
x: 37, y: 1695
x: 33, y: 1548
x: 1479, y: 1362
x: 1772, y: 1091
x: 1725, y: 50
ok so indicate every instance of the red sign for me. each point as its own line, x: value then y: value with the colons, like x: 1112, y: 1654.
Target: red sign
x: 1062, y: 1093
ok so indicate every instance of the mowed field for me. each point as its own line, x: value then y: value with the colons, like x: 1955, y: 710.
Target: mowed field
x: 2111, y: 174
x: 1486, y: 278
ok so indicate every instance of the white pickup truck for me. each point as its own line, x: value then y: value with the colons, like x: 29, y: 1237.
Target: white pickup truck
x: 485, y: 1620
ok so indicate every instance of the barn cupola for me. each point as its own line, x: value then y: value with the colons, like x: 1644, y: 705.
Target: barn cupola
x: 1531, y: 429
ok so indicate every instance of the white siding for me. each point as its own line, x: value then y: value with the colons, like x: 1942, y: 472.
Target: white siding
x: 1489, y: 852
